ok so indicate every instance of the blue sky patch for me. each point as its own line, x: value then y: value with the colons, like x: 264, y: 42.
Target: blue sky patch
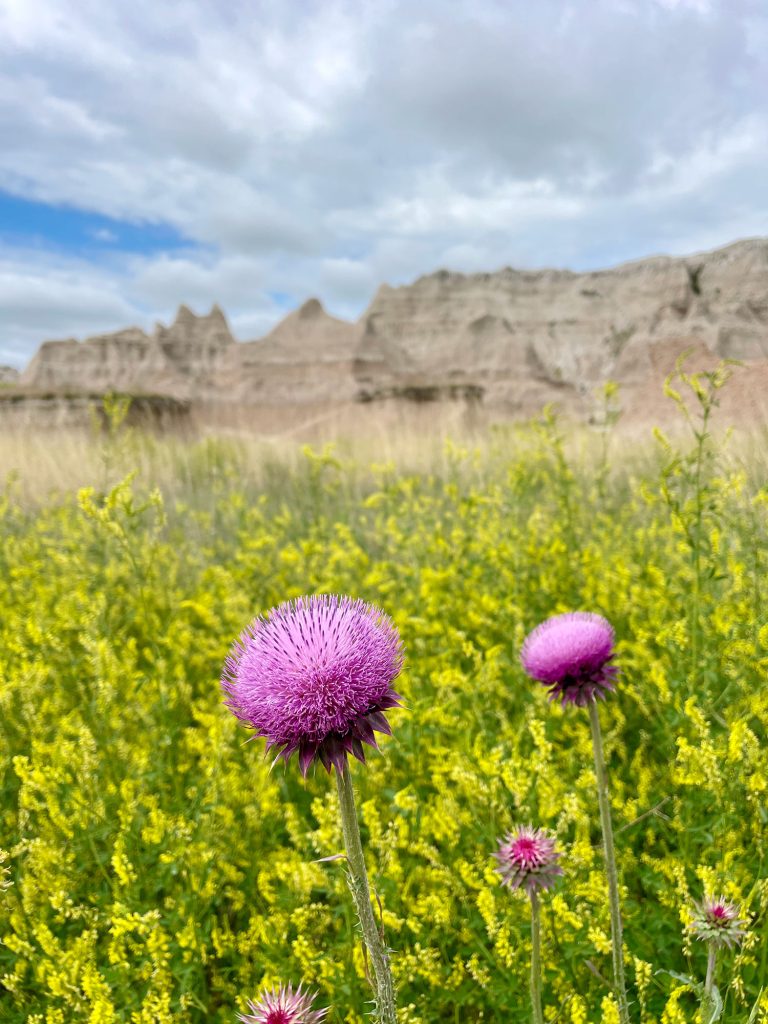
x: 283, y: 300
x: 25, y: 223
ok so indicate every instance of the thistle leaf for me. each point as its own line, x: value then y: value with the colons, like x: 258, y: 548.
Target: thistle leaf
x: 755, y: 1009
x: 695, y: 986
x: 712, y: 1007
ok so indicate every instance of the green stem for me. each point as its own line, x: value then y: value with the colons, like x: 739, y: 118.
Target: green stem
x: 706, y: 1003
x: 610, y: 864
x: 538, y: 1016
x: 710, y: 970
x: 361, y: 895
x: 701, y: 440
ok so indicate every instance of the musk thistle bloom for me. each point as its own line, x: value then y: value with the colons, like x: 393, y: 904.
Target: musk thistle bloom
x: 527, y: 859
x: 716, y: 921
x: 283, y: 1006
x: 314, y: 677
x: 571, y: 654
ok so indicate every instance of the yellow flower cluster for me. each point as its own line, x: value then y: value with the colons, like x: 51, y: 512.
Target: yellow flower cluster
x: 162, y: 872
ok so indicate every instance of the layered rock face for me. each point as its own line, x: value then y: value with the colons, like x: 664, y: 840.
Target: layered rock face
x: 508, y: 342
x: 524, y: 338
x: 179, y: 360
x: 308, y: 358
x: 22, y: 411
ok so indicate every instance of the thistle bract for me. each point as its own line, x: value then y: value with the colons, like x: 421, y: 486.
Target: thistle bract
x: 527, y: 859
x: 283, y: 1005
x: 571, y: 654
x: 314, y: 677
x: 717, y: 921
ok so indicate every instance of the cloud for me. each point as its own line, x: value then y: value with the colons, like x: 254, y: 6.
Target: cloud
x: 39, y: 297
x: 322, y: 146
x: 105, y: 235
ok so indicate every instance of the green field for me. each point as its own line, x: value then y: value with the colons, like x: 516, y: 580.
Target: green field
x: 160, y: 872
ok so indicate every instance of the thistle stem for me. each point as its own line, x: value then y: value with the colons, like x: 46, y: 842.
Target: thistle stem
x: 610, y: 864
x: 710, y: 970
x: 361, y: 895
x: 538, y: 1016
x: 706, y: 1003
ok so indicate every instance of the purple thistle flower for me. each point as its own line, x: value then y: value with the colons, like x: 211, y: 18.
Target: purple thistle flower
x: 571, y: 654
x: 527, y: 858
x: 717, y: 921
x: 283, y: 1006
x: 315, y: 677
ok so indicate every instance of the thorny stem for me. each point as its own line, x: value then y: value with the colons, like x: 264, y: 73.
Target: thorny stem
x: 610, y: 864
x: 361, y: 895
x: 710, y: 971
x: 706, y: 1003
x: 538, y: 1017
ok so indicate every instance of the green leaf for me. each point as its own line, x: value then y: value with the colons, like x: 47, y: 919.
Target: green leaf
x: 695, y: 986
x: 712, y: 1006
x: 755, y: 1009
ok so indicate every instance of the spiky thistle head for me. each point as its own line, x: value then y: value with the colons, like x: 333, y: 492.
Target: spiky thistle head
x: 717, y: 921
x: 527, y: 859
x: 314, y: 677
x: 571, y: 654
x: 283, y: 1005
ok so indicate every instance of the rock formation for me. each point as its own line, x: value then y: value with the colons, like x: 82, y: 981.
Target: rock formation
x: 23, y: 411
x: 178, y: 360
x: 507, y: 342
x: 308, y: 358
x: 526, y: 337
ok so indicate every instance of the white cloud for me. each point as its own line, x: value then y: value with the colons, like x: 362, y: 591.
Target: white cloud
x: 350, y: 282
x: 321, y: 146
x: 238, y: 283
x: 42, y: 299
x: 104, y: 235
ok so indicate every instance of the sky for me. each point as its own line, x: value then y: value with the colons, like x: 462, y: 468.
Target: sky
x: 258, y: 153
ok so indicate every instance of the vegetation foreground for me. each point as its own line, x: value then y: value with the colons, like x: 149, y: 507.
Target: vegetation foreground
x: 158, y: 871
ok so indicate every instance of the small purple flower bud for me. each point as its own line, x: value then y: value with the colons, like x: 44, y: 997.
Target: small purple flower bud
x: 283, y: 1006
x: 527, y: 859
x: 717, y: 921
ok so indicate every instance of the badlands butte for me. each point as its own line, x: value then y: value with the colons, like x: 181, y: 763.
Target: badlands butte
x: 486, y: 346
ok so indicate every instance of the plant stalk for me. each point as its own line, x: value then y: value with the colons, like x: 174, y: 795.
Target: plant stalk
x: 706, y: 1003
x: 361, y: 896
x: 538, y: 1016
x: 610, y: 864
